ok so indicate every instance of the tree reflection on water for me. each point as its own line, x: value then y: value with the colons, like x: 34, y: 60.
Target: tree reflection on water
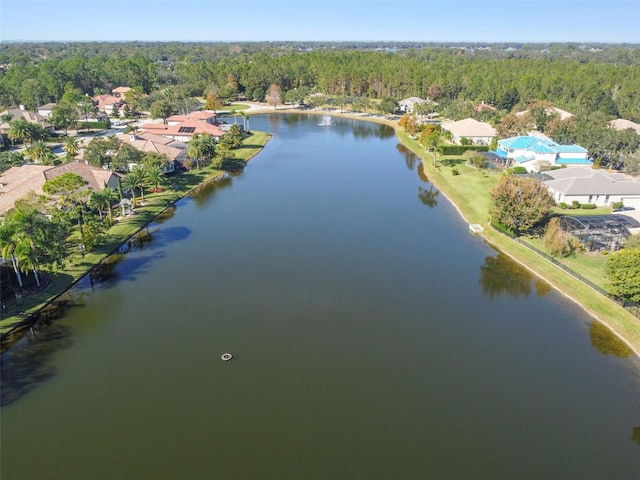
x: 500, y: 275
x: 603, y: 340
x: 27, y: 365
x: 410, y: 158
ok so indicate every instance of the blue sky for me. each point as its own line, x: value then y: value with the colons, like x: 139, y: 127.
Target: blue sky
x: 612, y: 21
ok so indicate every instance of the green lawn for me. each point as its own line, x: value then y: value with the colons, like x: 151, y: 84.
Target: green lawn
x: 470, y: 190
x: 590, y: 266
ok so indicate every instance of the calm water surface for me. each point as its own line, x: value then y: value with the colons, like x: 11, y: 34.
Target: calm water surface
x: 373, y: 337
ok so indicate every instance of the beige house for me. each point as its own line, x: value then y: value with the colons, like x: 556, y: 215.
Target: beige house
x: 149, y: 142
x: 484, y: 107
x: 120, y: 91
x: 17, y: 182
x: 479, y: 133
x: 621, y: 124
x: 182, y: 128
x: 23, y: 113
x: 106, y: 102
x: 561, y: 114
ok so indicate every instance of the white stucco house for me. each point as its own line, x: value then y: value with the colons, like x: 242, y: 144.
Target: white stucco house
x: 479, y: 133
x: 408, y: 105
x: 531, y: 152
x: 594, y: 186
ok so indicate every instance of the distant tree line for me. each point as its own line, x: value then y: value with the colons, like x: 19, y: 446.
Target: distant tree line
x: 578, y: 79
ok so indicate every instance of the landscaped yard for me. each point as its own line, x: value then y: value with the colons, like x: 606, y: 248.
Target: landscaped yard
x: 78, y: 264
x: 588, y: 265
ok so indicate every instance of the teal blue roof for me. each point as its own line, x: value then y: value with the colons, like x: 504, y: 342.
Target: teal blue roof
x: 517, y: 142
x: 570, y: 149
x: 538, y: 145
x: 542, y: 147
x: 524, y: 158
x: 574, y: 161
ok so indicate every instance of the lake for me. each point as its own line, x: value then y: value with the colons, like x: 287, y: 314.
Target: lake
x: 373, y: 337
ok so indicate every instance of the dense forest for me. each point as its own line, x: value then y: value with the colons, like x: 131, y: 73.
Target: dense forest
x: 579, y: 78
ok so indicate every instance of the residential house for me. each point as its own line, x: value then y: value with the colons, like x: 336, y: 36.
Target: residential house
x: 621, y: 124
x: 484, y: 107
x: 46, y: 110
x: 561, y: 114
x: 17, y: 182
x: 479, y: 133
x: 23, y: 113
x: 182, y: 128
x: 120, y: 91
x: 594, y: 186
x: 105, y: 103
x: 532, y: 152
x: 408, y: 105
x: 149, y: 142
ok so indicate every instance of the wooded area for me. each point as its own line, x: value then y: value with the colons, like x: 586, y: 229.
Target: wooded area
x: 581, y: 79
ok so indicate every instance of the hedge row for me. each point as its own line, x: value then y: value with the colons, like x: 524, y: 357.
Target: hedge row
x: 94, y: 125
x: 460, y: 149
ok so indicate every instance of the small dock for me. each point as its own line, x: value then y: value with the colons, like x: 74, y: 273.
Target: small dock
x: 476, y: 228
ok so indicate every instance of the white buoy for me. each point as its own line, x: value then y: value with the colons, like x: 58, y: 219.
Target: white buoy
x: 226, y: 357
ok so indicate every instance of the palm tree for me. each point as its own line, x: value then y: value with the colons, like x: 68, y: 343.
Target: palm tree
x: 234, y: 112
x: 20, y: 129
x: 201, y: 147
x: 40, y: 153
x: 27, y: 258
x: 8, y: 246
x: 245, y: 117
x: 102, y: 200
x: 133, y: 180
x: 87, y: 107
x: 71, y: 146
x: 28, y: 224
x: 154, y: 176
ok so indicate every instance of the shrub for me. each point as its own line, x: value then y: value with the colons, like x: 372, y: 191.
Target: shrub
x: 518, y: 170
x: 557, y: 241
x: 477, y: 160
x: 460, y: 149
x: 520, y: 203
x: 588, y: 206
x: 575, y: 204
x: 562, y: 205
x: 617, y: 205
x: 501, y: 228
x: 455, y: 171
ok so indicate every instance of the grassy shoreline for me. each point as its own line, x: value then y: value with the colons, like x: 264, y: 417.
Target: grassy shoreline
x: 469, y: 197
x: 468, y: 192
x: 17, y: 317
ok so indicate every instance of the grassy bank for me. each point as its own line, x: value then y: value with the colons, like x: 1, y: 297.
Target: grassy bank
x: 469, y: 192
x: 77, y: 266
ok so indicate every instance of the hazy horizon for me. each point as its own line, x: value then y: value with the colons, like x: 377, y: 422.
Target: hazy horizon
x: 425, y: 21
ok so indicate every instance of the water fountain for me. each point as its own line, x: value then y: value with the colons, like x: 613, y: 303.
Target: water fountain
x: 326, y: 121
